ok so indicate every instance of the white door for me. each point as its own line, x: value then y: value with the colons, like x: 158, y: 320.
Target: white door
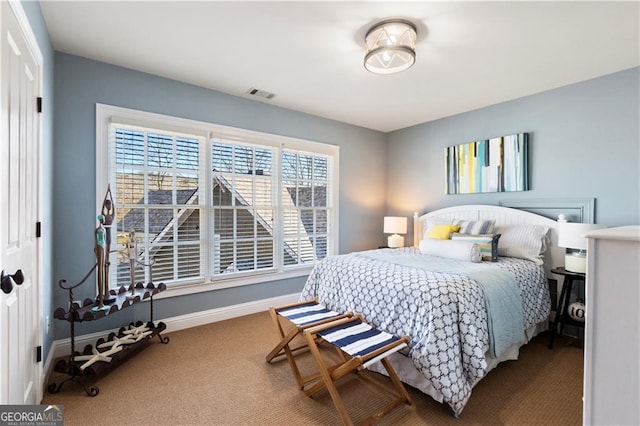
x: 20, y: 313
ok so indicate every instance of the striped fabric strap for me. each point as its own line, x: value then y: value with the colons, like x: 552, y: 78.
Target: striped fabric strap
x: 358, y: 338
x: 307, y: 314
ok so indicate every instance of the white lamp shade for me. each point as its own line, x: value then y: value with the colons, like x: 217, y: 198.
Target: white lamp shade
x: 395, y: 225
x: 571, y: 235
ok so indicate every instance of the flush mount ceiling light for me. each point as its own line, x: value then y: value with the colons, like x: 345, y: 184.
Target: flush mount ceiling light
x: 391, y: 46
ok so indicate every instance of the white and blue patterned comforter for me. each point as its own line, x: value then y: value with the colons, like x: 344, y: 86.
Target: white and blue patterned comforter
x: 444, y: 313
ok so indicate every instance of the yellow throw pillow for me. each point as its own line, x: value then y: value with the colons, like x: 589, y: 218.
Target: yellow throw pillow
x: 443, y: 232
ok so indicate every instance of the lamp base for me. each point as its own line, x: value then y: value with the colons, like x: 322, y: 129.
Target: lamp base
x: 395, y: 241
x: 575, y: 262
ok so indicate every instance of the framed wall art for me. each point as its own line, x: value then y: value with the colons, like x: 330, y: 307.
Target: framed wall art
x: 491, y: 165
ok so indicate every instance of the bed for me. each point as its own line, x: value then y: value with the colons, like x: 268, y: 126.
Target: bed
x: 463, y: 318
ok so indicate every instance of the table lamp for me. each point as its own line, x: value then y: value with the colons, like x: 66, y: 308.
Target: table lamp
x: 571, y: 237
x: 395, y: 225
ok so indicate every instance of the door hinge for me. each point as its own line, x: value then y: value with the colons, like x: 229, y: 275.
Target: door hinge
x: 39, y: 104
x: 38, y: 229
x: 39, y: 354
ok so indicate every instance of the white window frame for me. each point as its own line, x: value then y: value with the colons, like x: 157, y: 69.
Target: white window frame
x: 108, y: 114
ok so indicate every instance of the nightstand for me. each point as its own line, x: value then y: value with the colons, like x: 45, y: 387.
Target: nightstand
x: 562, y: 316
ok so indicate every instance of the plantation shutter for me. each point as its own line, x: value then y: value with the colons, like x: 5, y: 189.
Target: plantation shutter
x: 212, y: 206
x: 156, y: 180
x: 243, y: 207
x: 305, y: 196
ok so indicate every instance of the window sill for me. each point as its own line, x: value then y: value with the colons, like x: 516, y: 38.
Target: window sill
x: 219, y: 284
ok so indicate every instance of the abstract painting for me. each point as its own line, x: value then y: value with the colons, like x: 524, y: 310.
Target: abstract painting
x: 490, y: 165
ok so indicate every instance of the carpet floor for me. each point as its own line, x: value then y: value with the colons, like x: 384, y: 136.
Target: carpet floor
x: 216, y: 374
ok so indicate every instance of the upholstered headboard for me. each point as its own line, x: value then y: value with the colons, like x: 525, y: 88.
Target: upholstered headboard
x: 554, y: 256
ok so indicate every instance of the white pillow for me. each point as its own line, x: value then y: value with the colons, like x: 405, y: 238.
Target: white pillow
x: 488, y: 244
x: 460, y: 250
x: 523, y: 241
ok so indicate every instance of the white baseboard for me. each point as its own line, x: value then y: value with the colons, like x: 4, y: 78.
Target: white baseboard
x: 62, y: 347
x: 220, y: 314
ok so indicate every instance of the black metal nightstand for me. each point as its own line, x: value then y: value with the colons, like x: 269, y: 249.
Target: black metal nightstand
x: 562, y: 316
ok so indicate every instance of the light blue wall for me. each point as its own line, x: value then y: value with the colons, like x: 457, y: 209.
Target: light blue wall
x: 36, y: 21
x: 81, y: 83
x: 584, y: 143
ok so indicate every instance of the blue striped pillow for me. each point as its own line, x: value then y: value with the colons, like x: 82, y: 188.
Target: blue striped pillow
x: 475, y: 227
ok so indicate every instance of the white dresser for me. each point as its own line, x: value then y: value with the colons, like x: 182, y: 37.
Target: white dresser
x: 612, y: 336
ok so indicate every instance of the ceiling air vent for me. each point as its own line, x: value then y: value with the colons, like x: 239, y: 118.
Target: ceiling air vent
x: 260, y: 93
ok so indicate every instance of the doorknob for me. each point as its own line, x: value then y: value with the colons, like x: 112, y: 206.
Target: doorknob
x: 6, y: 280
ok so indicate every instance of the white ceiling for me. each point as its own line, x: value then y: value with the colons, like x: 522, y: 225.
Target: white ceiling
x: 310, y: 54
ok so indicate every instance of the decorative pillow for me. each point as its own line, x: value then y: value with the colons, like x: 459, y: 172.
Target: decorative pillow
x: 442, y: 232
x: 523, y: 241
x: 475, y: 227
x: 432, y: 223
x: 460, y: 250
x: 488, y: 244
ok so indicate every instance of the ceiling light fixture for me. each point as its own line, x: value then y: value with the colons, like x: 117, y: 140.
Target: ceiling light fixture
x: 391, y: 46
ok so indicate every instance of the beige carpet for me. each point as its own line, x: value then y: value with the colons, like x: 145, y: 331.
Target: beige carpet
x: 217, y: 375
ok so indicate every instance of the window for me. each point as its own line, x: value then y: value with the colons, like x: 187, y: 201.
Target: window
x: 304, y: 207
x: 212, y: 205
x: 155, y: 181
x: 243, y: 207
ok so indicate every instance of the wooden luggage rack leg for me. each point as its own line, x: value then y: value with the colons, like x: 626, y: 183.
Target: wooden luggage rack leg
x: 355, y: 363
x: 278, y: 316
